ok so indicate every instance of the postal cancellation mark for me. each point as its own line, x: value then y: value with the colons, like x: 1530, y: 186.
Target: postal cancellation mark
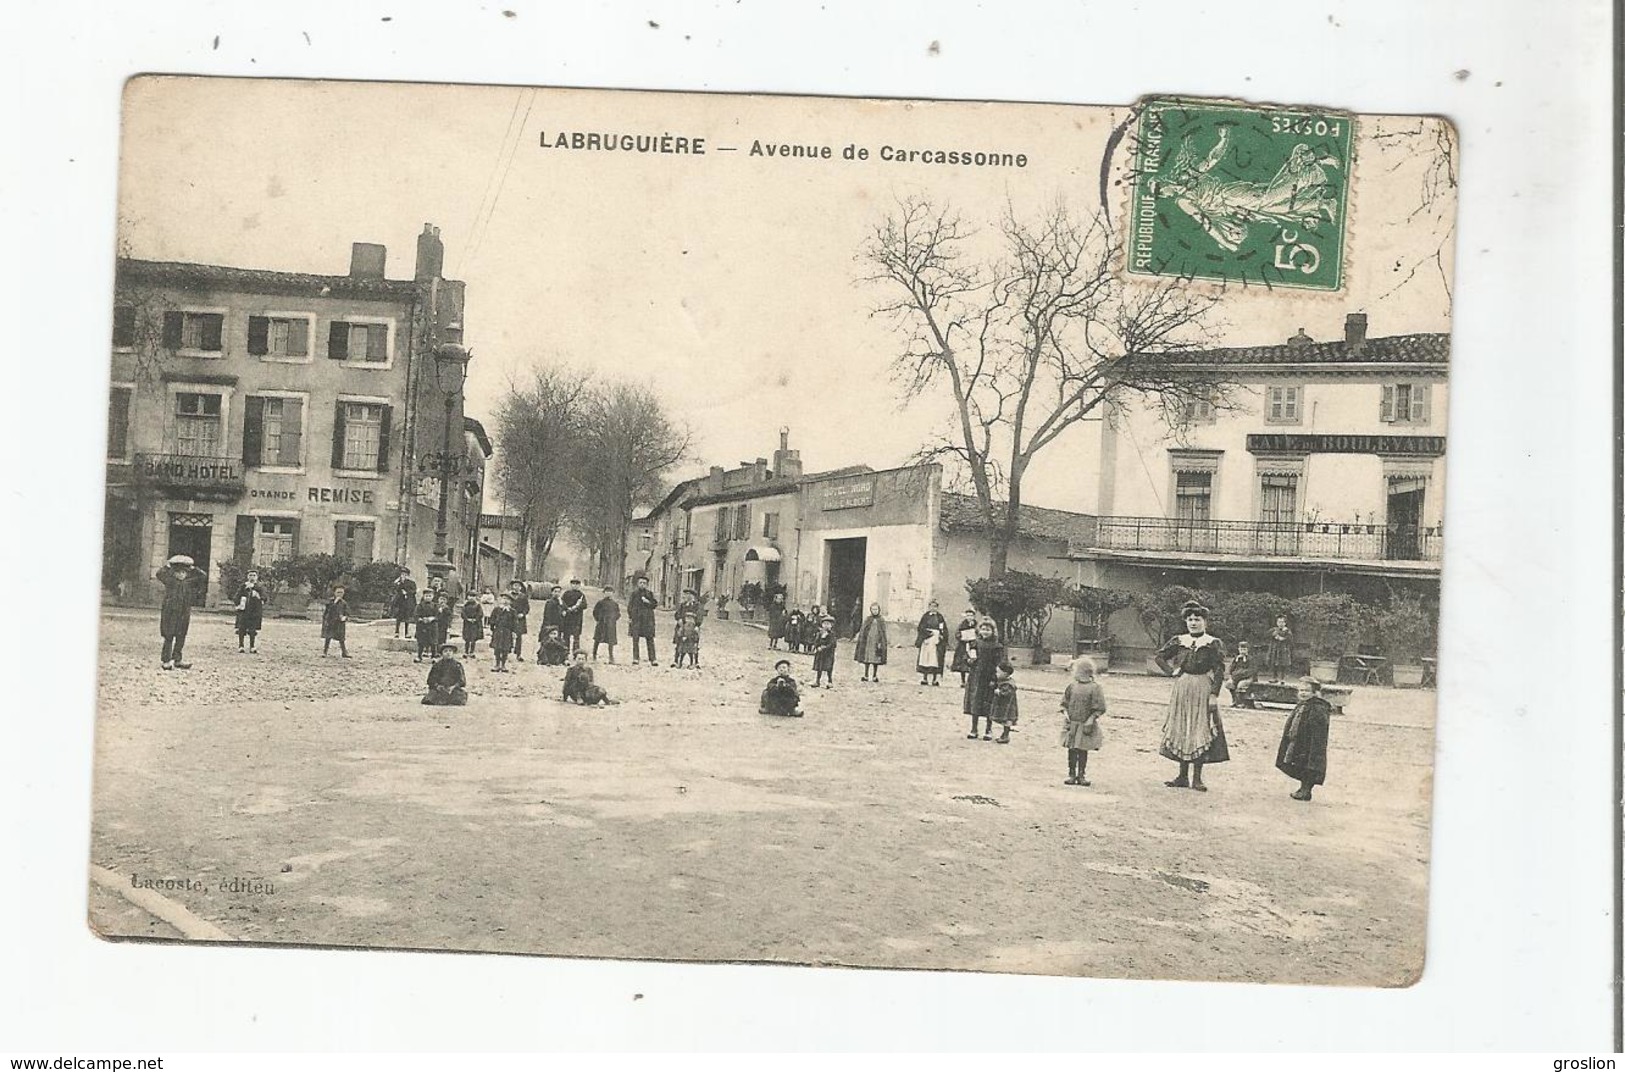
x: 1243, y: 194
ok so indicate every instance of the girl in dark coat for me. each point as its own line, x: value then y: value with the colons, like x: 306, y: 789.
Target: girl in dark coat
x: 1303, y: 740
x: 250, y: 610
x: 823, y: 649
x: 179, y: 578
x: 983, y: 655
x: 501, y: 623
x: 1192, y: 733
x: 335, y: 620
x: 1003, y: 707
x: 793, y: 624
x: 810, y: 626
x: 473, y: 625
x: 870, y: 649
x: 606, y: 613
x: 964, y: 644
x: 930, y: 644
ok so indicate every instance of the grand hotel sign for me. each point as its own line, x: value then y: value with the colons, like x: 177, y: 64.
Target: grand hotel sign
x: 1313, y: 443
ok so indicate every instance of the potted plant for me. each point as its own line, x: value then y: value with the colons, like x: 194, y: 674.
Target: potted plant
x: 750, y: 597
x: 1407, y: 632
x: 722, y: 606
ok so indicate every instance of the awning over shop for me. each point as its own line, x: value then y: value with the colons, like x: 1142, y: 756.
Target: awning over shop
x: 762, y: 554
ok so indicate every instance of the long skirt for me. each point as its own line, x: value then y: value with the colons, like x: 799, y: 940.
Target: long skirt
x: 930, y: 658
x: 1192, y: 732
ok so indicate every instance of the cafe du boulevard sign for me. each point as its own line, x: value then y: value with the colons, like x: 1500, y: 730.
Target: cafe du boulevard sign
x: 1297, y: 443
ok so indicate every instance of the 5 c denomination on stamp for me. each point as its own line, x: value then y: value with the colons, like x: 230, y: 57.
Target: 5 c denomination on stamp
x: 1240, y: 193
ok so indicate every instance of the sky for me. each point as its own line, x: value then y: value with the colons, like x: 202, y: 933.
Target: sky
x: 728, y: 282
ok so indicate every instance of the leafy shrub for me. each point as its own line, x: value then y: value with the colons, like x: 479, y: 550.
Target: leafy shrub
x: 1020, y: 603
x: 1408, y: 629
x: 375, y: 581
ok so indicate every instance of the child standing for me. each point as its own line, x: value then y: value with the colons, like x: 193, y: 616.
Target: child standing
x: 606, y: 615
x: 1003, y: 709
x: 782, y: 696
x: 250, y: 610
x: 442, y: 618
x: 502, y: 631
x: 983, y: 656
x: 870, y: 649
x: 775, y: 621
x: 1303, y: 740
x: 426, y: 625
x: 685, y: 641
x: 448, y: 684
x: 403, y: 600
x: 473, y: 625
x: 823, y: 649
x: 334, y: 619
x: 1083, y: 703
x: 793, y: 622
x: 964, y: 645
x: 519, y: 600
x: 1279, y: 653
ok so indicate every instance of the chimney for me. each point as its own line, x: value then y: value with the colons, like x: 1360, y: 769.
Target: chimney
x: 431, y: 254
x: 786, y: 462
x: 1354, y: 331
x: 713, y: 480
x: 366, y: 260
x: 1300, y: 339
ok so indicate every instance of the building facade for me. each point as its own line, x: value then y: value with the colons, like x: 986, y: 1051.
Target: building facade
x: 259, y: 415
x: 1320, y: 468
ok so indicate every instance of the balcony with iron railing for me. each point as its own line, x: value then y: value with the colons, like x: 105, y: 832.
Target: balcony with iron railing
x: 190, y: 475
x: 1356, y: 541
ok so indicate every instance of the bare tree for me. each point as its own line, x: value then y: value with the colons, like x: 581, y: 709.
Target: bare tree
x: 630, y: 445
x: 1029, y: 342
x: 541, y: 431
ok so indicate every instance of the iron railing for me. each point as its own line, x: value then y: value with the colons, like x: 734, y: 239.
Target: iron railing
x: 1300, y: 539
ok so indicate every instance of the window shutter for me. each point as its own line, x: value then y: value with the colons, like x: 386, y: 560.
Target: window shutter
x: 243, y: 549
x: 124, y: 325
x: 1421, y: 402
x: 377, y: 342
x: 338, y: 341
x: 259, y: 329
x: 253, y: 430
x: 1387, y: 412
x: 293, y: 550
x: 172, y: 331
x: 213, y: 325
x: 338, y: 435
x: 298, y: 337
x: 383, y: 438
x: 293, y: 412
x: 1290, y: 403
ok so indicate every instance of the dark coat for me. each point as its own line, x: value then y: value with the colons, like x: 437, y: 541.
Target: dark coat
x: 334, y: 615
x: 179, y: 584
x: 1003, y: 706
x: 871, y: 646
x: 962, y: 661
x: 447, y: 673
x: 250, y: 608
x: 574, y: 603
x: 605, y: 614
x: 823, y: 649
x: 1303, y: 741
x: 552, y: 614
x: 473, y: 620
x: 979, y: 687
x: 775, y: 620
x: 404, y: 599
x: 640, y: 613
x: 781, y: 697
x: 501, y: 624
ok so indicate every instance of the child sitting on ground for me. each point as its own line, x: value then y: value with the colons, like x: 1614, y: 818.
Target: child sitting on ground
x: 782, y: 696
x: 1083, y: 703
x: 448, y: 685
x: 579, y: 687
x: 501, y: 621
x: 1004, y: 709
x: 686, y: 641
x: 553, y: 650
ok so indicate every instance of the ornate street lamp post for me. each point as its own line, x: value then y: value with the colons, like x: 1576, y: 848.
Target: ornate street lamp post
x: 451, y: 369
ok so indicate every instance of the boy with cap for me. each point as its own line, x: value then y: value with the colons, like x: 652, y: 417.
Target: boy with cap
x: 334, y: 618
x: 179, y: 577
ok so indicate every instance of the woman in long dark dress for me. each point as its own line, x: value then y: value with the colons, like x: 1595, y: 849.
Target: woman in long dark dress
x: 983, y: 656
x: 1192, y: 734
x: 180, y: 579
x: 930, y: 648
x: 1303, y: 740
x: 775, y: 621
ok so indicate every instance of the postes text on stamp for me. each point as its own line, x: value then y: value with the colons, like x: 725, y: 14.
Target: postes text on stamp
x: 1240, y: 194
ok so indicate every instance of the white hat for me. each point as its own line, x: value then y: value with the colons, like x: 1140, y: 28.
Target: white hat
x: 181, y: 560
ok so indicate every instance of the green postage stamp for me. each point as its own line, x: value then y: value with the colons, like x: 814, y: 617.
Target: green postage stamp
x: 1241, y: 194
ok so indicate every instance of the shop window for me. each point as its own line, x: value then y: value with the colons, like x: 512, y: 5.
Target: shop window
x: 197, y: 424
x: 118, y: 424
x: 276, y: 541
x: 359, y: 343
x: 1284, y: 404
x: 1406, y: 403
x: 284, y: 338
x: 361, y: 436
x: 200, y: 333
x: 353, y: 540
x: 273, y: 431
